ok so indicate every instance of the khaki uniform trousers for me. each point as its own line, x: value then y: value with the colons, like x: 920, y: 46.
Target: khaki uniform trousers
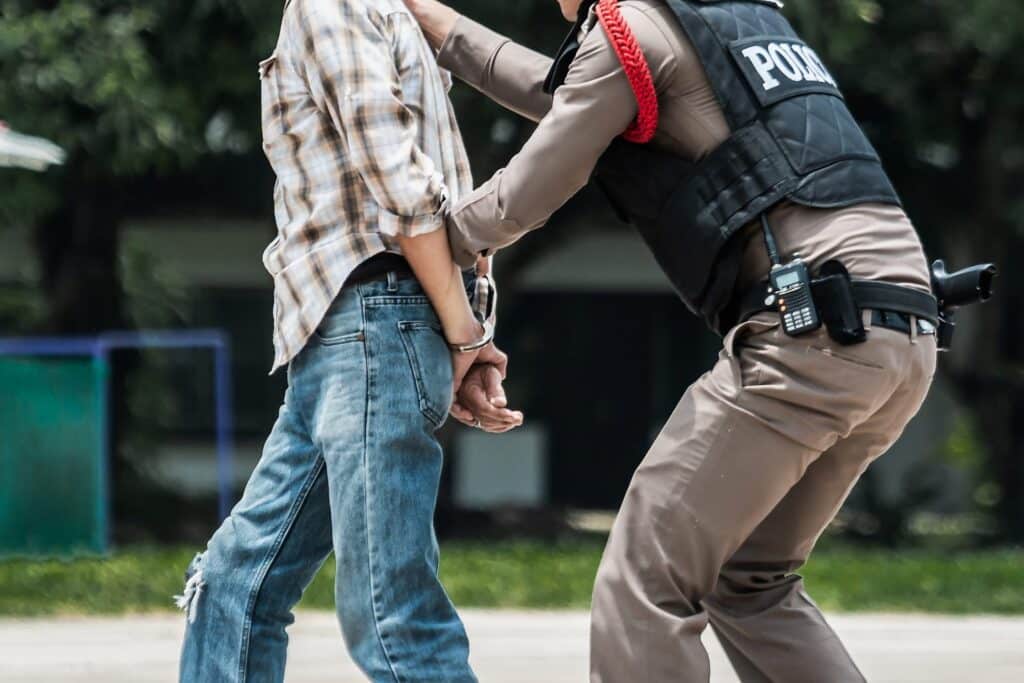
x: 749, y: 470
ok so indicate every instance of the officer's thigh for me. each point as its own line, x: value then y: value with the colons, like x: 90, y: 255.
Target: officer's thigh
x: 740, y: 440
x: 784, y: 540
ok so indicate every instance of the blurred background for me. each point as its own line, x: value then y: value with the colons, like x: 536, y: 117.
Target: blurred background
x: 158, y: 218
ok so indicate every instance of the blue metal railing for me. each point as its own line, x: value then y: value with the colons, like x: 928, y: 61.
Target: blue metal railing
x: 100, y: 348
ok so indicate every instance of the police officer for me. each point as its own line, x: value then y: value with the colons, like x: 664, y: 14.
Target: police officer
x: 772, y: 216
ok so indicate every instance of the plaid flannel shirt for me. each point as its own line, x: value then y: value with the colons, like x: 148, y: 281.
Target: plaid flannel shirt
x: 358, y: 127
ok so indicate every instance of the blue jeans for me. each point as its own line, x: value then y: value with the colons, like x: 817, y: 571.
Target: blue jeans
x: 353, y: 466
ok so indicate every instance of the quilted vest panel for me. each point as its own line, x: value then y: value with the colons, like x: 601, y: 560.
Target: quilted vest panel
x: 761, y: 70
x: 793, y: 139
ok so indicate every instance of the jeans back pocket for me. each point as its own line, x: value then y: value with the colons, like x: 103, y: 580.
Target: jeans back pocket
x: 431, y: 366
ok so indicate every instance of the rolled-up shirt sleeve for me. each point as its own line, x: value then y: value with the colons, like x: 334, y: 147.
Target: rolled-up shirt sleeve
x: 594, y: 106
x: 510, y: 74
x: 351, y: 71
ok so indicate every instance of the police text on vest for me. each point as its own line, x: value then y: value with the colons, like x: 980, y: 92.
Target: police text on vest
x: 794, y: 61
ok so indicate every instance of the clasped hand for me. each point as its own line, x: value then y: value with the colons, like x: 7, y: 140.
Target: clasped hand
x: 480, y: 399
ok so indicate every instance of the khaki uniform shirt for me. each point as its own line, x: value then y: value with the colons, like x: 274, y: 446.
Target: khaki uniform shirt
x: 596, y: 104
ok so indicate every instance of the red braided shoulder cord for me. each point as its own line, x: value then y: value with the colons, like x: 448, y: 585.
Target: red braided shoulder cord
x: 635, y: 65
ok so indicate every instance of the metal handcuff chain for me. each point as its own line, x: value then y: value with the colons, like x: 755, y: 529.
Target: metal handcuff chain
x: 486, y: 321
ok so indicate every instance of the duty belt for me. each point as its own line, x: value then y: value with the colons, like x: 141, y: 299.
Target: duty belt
x: 892, y: 306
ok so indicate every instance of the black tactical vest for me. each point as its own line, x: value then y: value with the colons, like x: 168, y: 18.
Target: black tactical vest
x: 793, y: 139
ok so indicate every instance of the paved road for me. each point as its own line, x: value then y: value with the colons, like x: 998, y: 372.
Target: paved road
x: 508, y: 647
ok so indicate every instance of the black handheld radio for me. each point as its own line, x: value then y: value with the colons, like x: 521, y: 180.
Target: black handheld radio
x: 791, y: 289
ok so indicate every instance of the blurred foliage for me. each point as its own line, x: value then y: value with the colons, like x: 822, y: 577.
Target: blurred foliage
x: 129, y: 89
x: 933, y: 82
x: 19, y: 309
x: 949, y: 492
x: 965, y: 449
x: 157, y: 101
x: 157, y: 296
x: 133, y: 84
x: 532, y: 574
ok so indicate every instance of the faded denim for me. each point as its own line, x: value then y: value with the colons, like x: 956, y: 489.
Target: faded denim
x: 352, y: 465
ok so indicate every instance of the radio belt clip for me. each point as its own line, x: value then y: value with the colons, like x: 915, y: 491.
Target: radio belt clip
x: 833, y: 289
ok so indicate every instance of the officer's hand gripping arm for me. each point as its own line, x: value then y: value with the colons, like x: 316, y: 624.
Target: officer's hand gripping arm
x: 594, y: 106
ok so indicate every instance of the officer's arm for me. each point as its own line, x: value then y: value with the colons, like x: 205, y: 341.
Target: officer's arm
x: 505, y: 71
x: 592, y: 108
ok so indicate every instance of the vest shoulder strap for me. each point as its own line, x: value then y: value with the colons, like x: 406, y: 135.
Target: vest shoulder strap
x: 714, y: 27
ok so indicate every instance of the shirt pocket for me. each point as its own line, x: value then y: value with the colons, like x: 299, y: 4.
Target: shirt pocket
x: 272, y: 105
x: 410, y: 51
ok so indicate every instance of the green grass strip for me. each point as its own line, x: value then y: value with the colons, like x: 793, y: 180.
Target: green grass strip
x: 533, y: 574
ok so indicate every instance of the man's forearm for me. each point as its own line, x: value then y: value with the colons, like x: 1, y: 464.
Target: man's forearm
x: 593, y: 107
x: 430, y: 257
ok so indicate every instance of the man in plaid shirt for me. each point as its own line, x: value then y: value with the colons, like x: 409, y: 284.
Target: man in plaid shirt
x: 376, y: 325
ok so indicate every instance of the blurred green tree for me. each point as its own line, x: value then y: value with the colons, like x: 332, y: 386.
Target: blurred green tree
x: 937, y: 85
x: 128, y: 88
x: 143, y: 90
x: 134, y: 91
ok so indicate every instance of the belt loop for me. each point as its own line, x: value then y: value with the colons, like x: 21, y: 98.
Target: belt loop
x: 913, y: 329
x: 866, y: 317
x: 392, y: 281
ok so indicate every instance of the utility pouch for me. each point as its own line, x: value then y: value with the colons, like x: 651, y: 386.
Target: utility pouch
x: 837, y: 305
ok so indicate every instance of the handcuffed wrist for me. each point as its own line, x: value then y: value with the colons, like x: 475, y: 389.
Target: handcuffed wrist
x: 486, y: 338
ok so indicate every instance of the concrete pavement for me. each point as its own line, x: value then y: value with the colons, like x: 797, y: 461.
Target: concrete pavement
x: 508, y: 647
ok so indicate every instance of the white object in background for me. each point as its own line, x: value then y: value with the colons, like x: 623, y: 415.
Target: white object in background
x: 25, y: 151
x: 501, y: 470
